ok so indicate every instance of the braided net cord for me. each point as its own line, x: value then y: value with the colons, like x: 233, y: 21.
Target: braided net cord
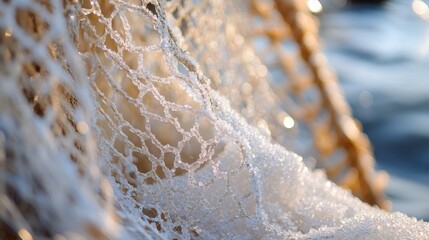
x: 155, y: 120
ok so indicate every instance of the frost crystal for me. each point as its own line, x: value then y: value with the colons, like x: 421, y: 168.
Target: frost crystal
x: 156, y: 120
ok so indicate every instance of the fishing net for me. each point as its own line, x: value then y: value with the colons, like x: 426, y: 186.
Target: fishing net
x: 175, y: 120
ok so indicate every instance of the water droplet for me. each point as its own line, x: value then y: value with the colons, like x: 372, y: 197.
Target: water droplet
x: 288, y: 122
x: 314, y: 6
x: 420, y: 7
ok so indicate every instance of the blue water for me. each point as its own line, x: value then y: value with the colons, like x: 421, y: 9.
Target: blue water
x: 381, y: 56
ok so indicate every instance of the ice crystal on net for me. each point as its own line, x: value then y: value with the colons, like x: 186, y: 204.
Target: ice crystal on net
x: 143, y: 119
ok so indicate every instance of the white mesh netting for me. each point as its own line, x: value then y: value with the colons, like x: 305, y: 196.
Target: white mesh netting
x: 154, y: 120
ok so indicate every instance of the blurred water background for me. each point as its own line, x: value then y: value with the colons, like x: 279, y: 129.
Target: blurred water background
x: 380, y: 53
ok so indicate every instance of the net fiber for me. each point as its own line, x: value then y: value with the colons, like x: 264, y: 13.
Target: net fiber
x: 163, y: 120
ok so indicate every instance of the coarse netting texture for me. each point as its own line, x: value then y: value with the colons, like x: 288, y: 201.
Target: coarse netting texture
x: 156, y: 120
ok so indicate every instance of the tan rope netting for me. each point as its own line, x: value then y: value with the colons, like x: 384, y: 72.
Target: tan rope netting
x: 174, y: 120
